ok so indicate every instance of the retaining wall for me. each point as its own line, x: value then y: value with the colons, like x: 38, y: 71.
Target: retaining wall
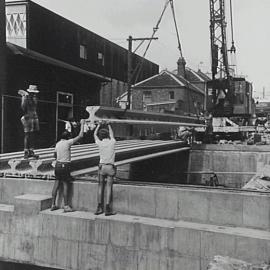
x: 234, y: 164
x: 205, y: 205
x: 155, y: 228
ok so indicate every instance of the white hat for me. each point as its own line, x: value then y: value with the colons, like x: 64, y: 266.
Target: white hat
x: 32, y: 89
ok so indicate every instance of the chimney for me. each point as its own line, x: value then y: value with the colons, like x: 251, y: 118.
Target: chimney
x: 181, y: 67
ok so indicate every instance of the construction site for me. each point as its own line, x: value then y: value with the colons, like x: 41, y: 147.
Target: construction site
x: 183, y: 181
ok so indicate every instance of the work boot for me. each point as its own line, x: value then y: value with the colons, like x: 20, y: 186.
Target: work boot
x: 99, y: 209
x: 32, y: 154
x: 109, y: 211
x: 26, y: 154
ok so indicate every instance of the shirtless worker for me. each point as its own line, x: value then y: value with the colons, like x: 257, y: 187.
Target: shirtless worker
x: 62, y: 166
x: 105, y: 140
x: 29, y: 120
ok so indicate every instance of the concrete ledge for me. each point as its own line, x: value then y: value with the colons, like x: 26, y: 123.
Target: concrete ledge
x: 31, y: 204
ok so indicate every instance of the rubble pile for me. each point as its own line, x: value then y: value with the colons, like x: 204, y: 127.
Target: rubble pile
x: 260, y: 181
x: 227, y: 263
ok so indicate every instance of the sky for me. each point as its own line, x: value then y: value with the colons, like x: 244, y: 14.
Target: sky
x: 115, y: 20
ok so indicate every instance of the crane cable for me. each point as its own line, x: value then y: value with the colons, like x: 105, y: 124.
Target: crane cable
x: 153, y: 34
x: 139, y: 66
x: 176, y: 28
x: 233, y: 49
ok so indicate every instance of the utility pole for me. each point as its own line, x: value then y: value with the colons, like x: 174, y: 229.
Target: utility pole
x: 130, y: 71
x: 2, y: 68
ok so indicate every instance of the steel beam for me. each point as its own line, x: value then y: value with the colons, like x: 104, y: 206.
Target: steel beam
x: 97, y: 113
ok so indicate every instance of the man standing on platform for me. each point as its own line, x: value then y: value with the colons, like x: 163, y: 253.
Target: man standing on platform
x: 29, y: 120
x: 105, y: 140
x: 62, y: 167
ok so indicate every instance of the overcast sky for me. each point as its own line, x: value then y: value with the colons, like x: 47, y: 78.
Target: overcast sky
x: 117, y: 19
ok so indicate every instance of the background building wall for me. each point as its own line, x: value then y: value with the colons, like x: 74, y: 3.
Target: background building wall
x: 184, y: 98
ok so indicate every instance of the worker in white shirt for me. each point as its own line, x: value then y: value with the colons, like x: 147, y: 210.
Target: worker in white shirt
x: 62, y: 167
x: 105, y: 140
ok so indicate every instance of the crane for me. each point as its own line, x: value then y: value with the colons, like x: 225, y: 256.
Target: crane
x: 228, y: 96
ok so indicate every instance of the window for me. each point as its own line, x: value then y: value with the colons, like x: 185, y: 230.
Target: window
x: 101, y: 58
x: 83, y: 52
x: 64, y: 98
x: 147, y: 96
x: 171, y: 95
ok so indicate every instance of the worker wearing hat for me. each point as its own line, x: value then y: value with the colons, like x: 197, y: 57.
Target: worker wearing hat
x: 104, y: 138
x: 29, y: 120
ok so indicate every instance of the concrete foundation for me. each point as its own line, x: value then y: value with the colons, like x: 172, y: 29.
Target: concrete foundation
x: 234, y: 164
x: 155, y: 228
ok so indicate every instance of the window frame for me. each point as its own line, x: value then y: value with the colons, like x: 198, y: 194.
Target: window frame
x: 83, y: 52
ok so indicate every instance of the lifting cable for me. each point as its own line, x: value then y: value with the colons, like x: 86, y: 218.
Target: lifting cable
x: 176, y: 28
x: 139, y: 66
x: 233, y: 49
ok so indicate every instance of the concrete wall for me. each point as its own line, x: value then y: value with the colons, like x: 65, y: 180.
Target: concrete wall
x: 157, y: 228
x: 234, y: 164
x: 208, y: 206
x: 80, y: 240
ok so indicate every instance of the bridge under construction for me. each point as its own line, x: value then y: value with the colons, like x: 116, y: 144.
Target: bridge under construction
x: 85, y: 158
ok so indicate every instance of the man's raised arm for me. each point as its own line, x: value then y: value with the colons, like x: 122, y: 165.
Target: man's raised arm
x: 81, y: 132
x: 110, y: 131
x: 95, y: 132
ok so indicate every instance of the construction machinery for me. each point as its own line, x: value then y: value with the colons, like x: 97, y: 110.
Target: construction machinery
x: 229, y: 98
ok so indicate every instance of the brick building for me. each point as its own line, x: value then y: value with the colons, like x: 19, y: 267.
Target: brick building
x: 180, y: 92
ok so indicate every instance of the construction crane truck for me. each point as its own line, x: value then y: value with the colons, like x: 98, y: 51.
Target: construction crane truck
x: 229, y: 98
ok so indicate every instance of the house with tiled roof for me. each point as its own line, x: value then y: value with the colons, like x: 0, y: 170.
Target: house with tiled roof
x: 180, y: 92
